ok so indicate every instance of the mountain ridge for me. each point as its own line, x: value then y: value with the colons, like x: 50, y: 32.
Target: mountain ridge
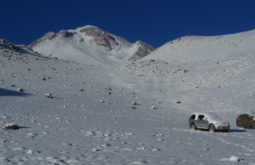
x: 90, y: 44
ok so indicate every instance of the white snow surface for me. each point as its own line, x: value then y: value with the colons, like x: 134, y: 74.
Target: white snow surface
x: 102, y: 114
x: 201, y: 48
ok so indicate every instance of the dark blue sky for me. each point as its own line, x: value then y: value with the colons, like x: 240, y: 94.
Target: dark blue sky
x: 155, y: 21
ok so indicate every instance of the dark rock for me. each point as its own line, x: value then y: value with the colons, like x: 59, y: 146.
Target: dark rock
x: 245, y: 121
x: 12, y: 127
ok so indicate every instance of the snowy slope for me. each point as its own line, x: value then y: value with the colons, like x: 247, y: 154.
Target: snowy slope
x: 206, y: 73
x: 134, y: 114
x: 90, y: 45
x: 199, y: 48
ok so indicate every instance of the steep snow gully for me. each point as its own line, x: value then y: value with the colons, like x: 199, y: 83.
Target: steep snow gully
x: 126, y: 113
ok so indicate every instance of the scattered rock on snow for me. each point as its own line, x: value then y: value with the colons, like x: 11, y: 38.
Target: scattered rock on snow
x: 186, y: 71
x: 232, y: 159
x: 135, y: 103
x: 49, y: 95
x: 20, y: 90
x: 43, y: 78
x: 109, y: 89
x: 154, y: 107
x: 101, y: 101
x: 11, y: 126
x: 133, y: 107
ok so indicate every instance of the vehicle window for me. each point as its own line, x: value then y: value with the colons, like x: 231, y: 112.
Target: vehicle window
x: 193, y: 117
x: 201, y: 117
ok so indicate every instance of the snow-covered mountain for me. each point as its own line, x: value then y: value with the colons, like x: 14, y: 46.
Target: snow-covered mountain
x: 131, y: 114
x: 90, y: 45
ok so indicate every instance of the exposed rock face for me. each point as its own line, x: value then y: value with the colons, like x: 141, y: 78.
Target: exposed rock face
x: 101, y: 37
x: 245, y: 121
x: 50, y: 36
x: 9, y: 49
x: 7, y: 44
x: 143, y: 50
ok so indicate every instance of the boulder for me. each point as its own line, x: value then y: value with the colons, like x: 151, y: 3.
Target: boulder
x: 245, y: 121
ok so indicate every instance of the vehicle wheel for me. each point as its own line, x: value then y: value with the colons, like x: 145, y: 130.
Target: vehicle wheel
x: 211, y: 128
x: 193, y: 127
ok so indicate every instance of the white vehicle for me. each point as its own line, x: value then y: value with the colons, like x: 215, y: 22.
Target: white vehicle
x: 208, y: 122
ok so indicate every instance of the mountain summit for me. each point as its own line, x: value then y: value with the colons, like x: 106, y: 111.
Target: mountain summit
x: 90, y: 45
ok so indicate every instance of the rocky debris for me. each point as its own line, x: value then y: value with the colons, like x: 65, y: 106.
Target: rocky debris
x: 186, y: 71
x: 133, y: 107
x: 245, y: 121
x: 101, y: 101
x: 108, y: 91
x: 233, y: 159
x: 154, y: 107
x: 49, y: 95
x: 11, y: 126
x: 108, y: 88
x: 20, y: 90
x: 44, y: 78
x: 178, y: 102
x: 135, y: 103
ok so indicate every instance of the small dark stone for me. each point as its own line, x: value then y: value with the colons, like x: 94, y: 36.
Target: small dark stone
x: 12, y: 127
x: 178, y: 102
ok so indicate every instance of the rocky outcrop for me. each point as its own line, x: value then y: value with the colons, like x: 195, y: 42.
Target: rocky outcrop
x: 143, y: 50
x: 50, y: 36
x: 8, y: 45
x: 245, y: 121
x: 100, y: 37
